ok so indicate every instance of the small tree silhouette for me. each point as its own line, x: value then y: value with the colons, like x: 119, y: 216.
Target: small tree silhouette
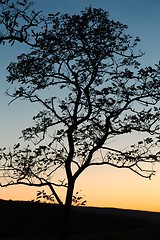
x: 77, y: 199
x: 43, y: 196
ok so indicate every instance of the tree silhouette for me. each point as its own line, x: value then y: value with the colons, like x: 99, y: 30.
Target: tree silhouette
x: 84, y: 72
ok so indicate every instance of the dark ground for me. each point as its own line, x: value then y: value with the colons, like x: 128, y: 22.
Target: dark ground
x: 29, y: 220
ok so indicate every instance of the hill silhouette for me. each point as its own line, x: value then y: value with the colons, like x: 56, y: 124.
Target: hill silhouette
x: 32, y: 220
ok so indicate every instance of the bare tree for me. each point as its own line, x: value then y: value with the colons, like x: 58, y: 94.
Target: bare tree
x: 84, y: 72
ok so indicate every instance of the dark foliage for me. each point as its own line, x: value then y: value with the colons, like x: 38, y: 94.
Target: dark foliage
x: 18, y: 22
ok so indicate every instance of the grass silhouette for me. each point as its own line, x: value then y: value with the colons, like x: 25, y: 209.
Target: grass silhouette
x: 22, y: 220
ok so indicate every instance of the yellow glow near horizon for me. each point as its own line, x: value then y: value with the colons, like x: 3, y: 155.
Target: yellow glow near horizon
x: 105, y: 187
x: 110, y: 187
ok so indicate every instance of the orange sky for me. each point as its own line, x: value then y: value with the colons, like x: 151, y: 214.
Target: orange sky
x: 106, y: 187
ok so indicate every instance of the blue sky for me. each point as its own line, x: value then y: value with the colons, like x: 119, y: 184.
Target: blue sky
x: 143, y: 20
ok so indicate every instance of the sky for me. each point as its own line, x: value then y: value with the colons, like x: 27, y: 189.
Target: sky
x: 102, y: 186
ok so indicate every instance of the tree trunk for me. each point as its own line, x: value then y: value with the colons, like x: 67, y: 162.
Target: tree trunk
x: 66, y: 214
x: 65, y: 224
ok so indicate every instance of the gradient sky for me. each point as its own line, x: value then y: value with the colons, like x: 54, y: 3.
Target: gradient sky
x: 102, y: 186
